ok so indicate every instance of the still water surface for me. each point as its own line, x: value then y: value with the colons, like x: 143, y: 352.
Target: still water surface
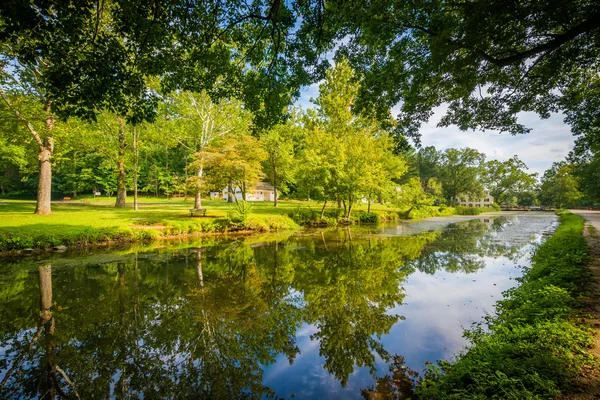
x: 313, y: 315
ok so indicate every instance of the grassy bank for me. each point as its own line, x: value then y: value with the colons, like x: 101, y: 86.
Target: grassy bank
x: 531, y: 348
x: 93, y: 221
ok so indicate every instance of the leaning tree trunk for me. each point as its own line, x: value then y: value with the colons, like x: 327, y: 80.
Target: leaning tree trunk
x: 44, y: 195
x: 121, y: 189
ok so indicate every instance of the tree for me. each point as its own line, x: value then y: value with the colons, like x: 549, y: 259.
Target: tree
x: 197, y: 123
x: 233, y: 162
x: 559, y: 186
x: 347, y: 157
x: 508, y: 179
x: 487, y: 60
x: 279, y: 165
x: 460, y: 172
x: 79, y: 59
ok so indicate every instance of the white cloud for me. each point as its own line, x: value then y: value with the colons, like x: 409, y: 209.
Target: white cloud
x: 550, y: 140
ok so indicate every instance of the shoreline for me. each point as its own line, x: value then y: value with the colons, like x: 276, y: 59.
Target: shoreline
x: 139, y: 231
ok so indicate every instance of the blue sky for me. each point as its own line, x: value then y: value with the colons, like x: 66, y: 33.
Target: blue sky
x: 550, y: 140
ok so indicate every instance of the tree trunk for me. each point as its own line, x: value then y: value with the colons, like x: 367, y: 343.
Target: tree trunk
x: 135, y: 167
x: 275, y: 185
x: 121, y: 189
x: 349, y: 211
x: 369, y: 206
x: 229, y: 193
x: 186, y: 178
x: 74, y: 174
x: 323, y: 209
x: 44, y: 195
x: 198, y: 198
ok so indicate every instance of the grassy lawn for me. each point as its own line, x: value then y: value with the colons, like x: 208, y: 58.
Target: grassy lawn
x: 88, y: 221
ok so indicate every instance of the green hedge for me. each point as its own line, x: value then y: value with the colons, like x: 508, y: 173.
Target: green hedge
x: 530, y: 349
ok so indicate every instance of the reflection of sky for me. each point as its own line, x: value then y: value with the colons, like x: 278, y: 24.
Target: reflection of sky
x: 437, y: 309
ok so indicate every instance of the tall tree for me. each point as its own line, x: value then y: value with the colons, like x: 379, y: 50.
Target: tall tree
x: 198, y: 123
x: 460, y: 173
x: 278, y: 143
x: 507, y: 180
x: 345, y: 153
x: 559, y: 186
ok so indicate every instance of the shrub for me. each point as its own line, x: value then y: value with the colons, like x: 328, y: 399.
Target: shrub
x: 368, y: 218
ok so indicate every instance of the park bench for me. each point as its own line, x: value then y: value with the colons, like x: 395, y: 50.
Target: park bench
x: 196, y: 212
x: 66, y: 199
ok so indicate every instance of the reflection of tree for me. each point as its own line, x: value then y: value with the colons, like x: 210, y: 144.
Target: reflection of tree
x: 204, y: 322
x: 397, y: 385
x: 348, y: 289
x: 461, y: 247
x: 36, y: 363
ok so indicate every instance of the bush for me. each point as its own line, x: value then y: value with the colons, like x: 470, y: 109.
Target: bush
x: 368, y: 218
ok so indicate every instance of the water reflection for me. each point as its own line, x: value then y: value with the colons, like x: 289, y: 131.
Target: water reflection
x: 221, y: 319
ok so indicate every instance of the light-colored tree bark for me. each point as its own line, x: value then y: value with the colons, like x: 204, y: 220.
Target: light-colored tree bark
x: 121, y: 188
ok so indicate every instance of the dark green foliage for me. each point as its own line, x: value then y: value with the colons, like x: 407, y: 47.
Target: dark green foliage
x: 461, y: 210
x: 530, y: 349
x: 366, y: 217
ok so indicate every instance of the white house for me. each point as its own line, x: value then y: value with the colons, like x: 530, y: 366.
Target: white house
x: 262, y: 191
x: 467, y: 201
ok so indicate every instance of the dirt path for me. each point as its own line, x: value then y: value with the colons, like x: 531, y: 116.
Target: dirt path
x: 587, y: 386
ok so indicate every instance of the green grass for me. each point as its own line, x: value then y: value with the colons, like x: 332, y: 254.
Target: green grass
x: 531, y: 348
x: 87, y: 222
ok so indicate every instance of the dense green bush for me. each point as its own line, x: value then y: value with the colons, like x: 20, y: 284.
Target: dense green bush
x: 530, y: 348
x: 462, y: 210
x: 368, y: 218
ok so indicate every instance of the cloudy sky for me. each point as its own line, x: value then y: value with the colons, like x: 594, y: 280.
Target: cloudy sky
x: 550, y: 140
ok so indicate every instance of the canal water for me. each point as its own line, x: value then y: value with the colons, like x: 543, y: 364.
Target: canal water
x: 317, y: 314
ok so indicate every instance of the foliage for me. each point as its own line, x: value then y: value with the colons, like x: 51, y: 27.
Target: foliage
x: 559, y: 186
x: 508, y: 180
x: 346, y: 157
x: 461, y: 210
x: 460, y: 173
x: 487, y: 60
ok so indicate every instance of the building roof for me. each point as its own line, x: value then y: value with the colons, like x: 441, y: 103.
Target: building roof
x: 264, y: 186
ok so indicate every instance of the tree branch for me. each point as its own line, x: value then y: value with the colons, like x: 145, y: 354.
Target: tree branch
x: 20, y: 117
x: 588, y: 25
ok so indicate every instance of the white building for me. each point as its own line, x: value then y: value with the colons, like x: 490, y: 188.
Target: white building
x: 263, y: 191
x: 486, y: 201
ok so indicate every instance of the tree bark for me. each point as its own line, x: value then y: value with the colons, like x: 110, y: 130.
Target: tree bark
x: 198, y: 198
x: 74, y: 174
x: 323, y: 209
x: 121, y: 189
x: 229, y: 193
x: 136, y: 154
x: 275, y: 184
x: 369, y: 206
x: 44, y: 195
